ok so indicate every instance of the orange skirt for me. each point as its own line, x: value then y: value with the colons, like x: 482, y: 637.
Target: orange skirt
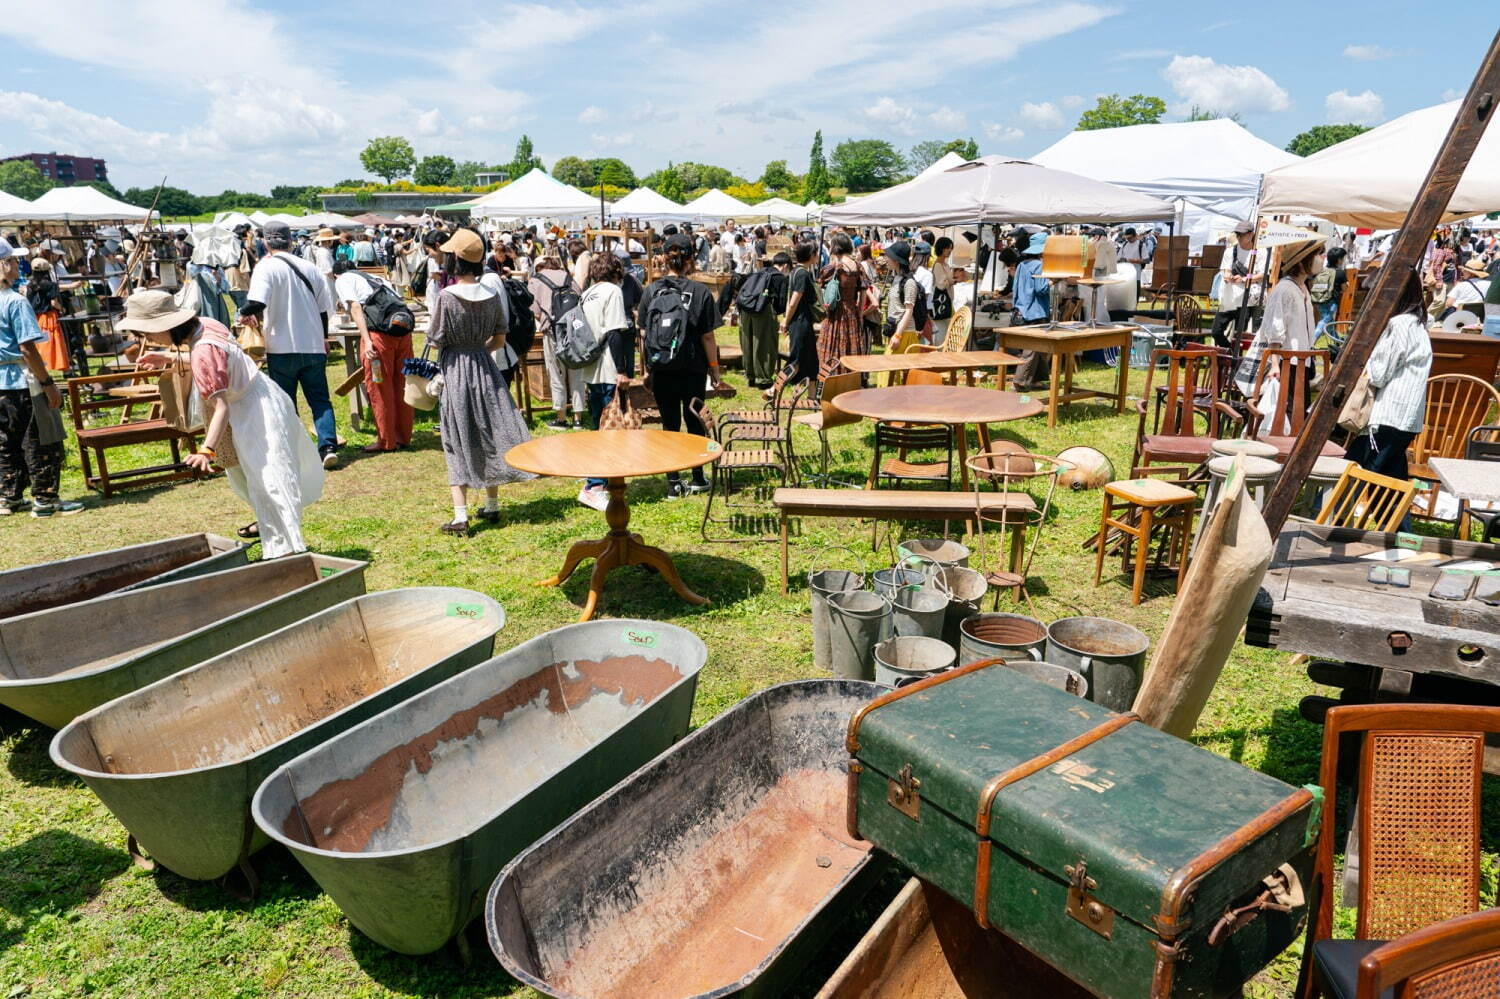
x: 55, y: 351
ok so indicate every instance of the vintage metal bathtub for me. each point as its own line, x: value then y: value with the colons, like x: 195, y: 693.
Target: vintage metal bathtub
x: 715, y: 870
x: 405, y: 819
x: 178, y: 761
x: 56, y: 664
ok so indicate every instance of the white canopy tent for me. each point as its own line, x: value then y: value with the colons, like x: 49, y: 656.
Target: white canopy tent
x: 228, y: 220
x: 778, y: 210
x: 13, y: 209
x: 1372, y: 179
x: 535, y: 195
x: 947, y: 161
x: 649, y: 206
x: 82, y: 204
x: 1213, y: 169
x: 995, y: 189
x: 259, y: 218
x: 715, y: 204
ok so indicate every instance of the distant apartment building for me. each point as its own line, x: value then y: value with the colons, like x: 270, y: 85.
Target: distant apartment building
x: 65, y: 170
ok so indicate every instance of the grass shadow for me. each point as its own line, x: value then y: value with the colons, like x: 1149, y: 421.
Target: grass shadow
x: 355, y: 554
x: 638, y: 592
x: 281, y: 879
x: 50, y: 874
x: 29, y: 761
x: 435, y: 976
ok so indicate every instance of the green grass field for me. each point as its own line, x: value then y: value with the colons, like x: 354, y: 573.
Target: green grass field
x: 76, y: 918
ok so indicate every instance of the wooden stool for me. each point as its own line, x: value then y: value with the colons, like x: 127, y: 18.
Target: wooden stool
x: 1156, y: 503
x: 1260, y: 476
x: 1244, y: 446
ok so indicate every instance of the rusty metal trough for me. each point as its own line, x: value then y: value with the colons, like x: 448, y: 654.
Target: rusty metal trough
x: 405, y: 819
x: 56, y: 664
x: 178, y: 761
x: 717, y: 869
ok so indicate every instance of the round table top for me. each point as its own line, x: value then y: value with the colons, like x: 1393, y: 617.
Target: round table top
x: 613, y: 454
x: 147, y: 390
x: 950, y: 404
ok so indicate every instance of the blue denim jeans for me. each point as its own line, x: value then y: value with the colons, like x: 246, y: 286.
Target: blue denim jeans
x: 1492, y: 326
x: 1327, y: 311
x: 599, y: 396
x: 311, y: 372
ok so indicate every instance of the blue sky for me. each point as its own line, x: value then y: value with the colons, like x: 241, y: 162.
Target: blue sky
x: 250, y: 93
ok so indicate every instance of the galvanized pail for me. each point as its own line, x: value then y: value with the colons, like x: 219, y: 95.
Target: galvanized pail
x: 930, y: 554
x: 964, y: 589
x: 858, y: 620
x: 909, y: 658
x: 888, y: 581
x: 1001, y: 636
x: 1109, y: 654
x: 919, y: 612
x: 821, y: 583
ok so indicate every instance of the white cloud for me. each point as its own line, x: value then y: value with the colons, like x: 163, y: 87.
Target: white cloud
x: 593, y: 115
x: 1201, y: 81
x: 1365, y: 108
x: 892, y: 116
x: 647, y: 111
x: 757, y: 112
x: 1367, y: 53
x: 1452, y: 95
x: 1044, y: 115
x: 1002, y: 134
x: 948, y: 118
x: 616, y: 141
x: 1072, y: 101
x: 431, y: 122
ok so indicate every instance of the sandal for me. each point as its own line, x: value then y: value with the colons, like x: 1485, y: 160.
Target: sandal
x: 250, y: 530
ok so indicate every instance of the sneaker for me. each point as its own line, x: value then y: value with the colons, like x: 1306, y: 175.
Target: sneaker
x: 593, y: 498
x: 458, y: 527
x: 697, y: 487
x: 64, y: 507
x: 331, y: 460
x: 676, y: 490
x: 8, y: 508
x: 559, y: 424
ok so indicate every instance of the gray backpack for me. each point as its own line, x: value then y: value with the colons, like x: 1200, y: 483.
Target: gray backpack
x: 573, y: 339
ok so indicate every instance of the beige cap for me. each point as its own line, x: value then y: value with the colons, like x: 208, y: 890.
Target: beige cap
x: 466, y: 245
x: 153, y: 311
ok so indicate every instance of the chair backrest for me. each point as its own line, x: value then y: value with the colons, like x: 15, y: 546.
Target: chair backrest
x: 957, y: 337
x: 710, y: 423
x: 1484, y: 443
x: 833, y: 387
x: 1186, y: 315
x: 921, y: 377
x: 1188, y: 374
x: 1367, y: 501
x: 1296, y: 395
x: 1458, y: 958
x: 1456, y: 404
x: 912, y: 436
x: 1417, y: 814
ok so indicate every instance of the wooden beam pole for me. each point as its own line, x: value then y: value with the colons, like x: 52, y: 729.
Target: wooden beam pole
x: 1406, y: 252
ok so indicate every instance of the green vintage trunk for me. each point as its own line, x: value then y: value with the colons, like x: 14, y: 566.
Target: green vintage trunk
x: 1125, y: 808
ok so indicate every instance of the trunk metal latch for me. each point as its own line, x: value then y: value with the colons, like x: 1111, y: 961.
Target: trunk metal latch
x: 1082, y: 906
x: 901, y: 793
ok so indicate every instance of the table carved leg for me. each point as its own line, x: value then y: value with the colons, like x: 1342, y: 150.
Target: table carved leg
x: 618, y: 548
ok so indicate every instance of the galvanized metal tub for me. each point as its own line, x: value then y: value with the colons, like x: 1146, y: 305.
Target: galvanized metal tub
x: 717, y: 869
x: 57, y: 664
x: 178, y: 761
x: 66, y: 581
x: 405, y: 819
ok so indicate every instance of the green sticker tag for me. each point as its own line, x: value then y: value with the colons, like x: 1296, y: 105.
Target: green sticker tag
x: 1411, y: 542
x: 641, y: 639
x: 1314, y: 815
x: 327, y: 571
x: 471, y: 612
x: 713, y: 446
x: 1025, y: 398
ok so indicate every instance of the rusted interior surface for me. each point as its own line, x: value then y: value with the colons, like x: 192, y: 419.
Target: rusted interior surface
x: 239, y: 704
x: 25, y: 591
x: 77, y: 640
x: 480, y: 760
x: 1005, y: 630
x: 733, y: 890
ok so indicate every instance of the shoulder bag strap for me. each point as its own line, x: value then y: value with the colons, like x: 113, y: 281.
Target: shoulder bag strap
x: 300, y: 277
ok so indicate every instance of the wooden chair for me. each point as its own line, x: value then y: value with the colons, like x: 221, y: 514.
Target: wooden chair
x: 768, y: 414
x: 1484, y: 445
x: 1190, y: 379
x: 1456, y: 404
x: 828, y: 416
x: 905, y: 438
x: 1458, y: 958
x: 1136, y: 508
x: 1416, y: 814
x: 1295, y: 369
x: 775, y: 460
x: 957, y: 337
x: 89, y: 396
x: 1367, y: 501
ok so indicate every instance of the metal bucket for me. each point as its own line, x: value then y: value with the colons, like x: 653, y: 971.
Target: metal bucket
x: 931, y: 554
x: 177, y: 761
x: 909, y: 658
x: 1001, y: 636
x: 822, y: 583
x: 888, y: 581
x: 1109, y: 654
x: 858, y: 620
x: 57, y: 664
x: 919, y: 612
x: 1052, y: 675
x: 964, y: 589
x: 511, y: 748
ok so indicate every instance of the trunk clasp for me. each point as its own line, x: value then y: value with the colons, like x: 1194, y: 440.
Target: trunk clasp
x: 1083, y: 906
x: 901, y: 793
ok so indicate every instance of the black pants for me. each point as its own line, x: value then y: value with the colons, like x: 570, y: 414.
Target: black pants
x: 727, y: 293
x: 1224, y: 320
x: 1385, y: 454
x: 23, y: 460
x: 803, y: 346
x: 678, y: 394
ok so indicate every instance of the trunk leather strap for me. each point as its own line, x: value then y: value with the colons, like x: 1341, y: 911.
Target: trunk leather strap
x: 998, y: 784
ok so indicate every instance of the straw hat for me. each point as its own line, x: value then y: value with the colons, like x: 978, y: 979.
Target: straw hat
x: 153, y: 311
x: 326, y: 236
x: 1475, y: 266
x: 1293, y: 254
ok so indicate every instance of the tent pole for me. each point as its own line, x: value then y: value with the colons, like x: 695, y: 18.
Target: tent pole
x: 1406, y: 252
x: 974, y: 304
x: 1241, y: 319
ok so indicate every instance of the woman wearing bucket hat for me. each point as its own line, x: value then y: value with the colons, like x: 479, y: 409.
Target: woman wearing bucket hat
x: 1033, y: 304
x: 271, y: 463
x: 1469, y: 290
x: 1287, y: 323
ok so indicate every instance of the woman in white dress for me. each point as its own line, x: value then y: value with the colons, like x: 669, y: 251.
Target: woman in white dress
x: 252, y: 429
x: 1287, y: 323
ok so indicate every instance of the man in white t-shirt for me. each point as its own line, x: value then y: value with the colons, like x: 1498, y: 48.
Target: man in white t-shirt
x: 292, y: 301
x: 1241, y: 270
x: 1470, y: 289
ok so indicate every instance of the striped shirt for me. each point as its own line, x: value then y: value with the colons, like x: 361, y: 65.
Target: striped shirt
x: 1398, y: 370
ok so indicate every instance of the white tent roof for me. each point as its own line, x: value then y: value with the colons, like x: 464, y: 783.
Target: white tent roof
x: 13, y: 208
x: 996, y: 189
x: 259, y: 218
x: 1372, y: 179
x: 779, y: 209
x: 715, y: 204
x: 1214, y: 166
x: 947, y: 161
x: 229, y: 220
x: 649, y: 206
x: 83, y: 204
x: 536, y: 195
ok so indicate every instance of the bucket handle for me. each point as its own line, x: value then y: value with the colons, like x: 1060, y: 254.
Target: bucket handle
x: 933, y: 565
x: 817, y: 554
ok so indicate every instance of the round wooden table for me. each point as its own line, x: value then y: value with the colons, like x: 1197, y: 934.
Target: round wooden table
x: 615, y: 455
x: 953, y: 405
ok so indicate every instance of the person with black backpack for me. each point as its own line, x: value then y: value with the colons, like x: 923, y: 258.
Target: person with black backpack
x: 762, y: 296
x: 678, y: 319
x: 385, y: 326
x: 553, y: 295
